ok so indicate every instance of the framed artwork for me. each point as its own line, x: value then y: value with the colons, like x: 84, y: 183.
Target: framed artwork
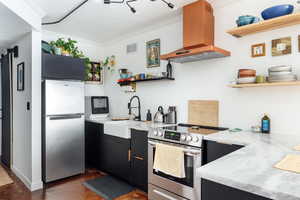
x: 153, y: 53
x: 94, y: 73
x: 258, y: 50
x: 20, y: 77
x: 282, y: 46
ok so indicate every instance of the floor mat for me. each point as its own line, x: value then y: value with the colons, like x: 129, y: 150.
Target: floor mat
x: 108, y: 187
x: 4, y: 178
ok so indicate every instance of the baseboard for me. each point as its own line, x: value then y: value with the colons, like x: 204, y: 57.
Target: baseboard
x: 31, y: 186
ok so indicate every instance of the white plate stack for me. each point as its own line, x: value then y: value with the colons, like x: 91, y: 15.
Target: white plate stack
x: 281, y: 74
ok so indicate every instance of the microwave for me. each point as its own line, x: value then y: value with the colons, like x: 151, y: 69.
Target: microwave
x: 96, y: 106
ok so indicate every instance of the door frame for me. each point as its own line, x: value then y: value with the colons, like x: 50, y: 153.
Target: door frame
x: 11, y: 53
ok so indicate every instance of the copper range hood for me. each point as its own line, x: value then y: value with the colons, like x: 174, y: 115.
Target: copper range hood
x: 198, y: 35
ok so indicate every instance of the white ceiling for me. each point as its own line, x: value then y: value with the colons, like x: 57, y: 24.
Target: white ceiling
x: 99, y: 22
x: 12, y: 27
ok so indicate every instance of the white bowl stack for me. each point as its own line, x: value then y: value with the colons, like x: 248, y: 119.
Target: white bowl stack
x: 281, y: 74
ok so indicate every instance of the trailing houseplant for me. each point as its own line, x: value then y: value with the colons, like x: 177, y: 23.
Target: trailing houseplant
x: 68, y: 47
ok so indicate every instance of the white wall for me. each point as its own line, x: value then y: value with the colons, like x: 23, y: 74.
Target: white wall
x: 26, y: 12
x: 91, y: 49
x: 209, y: 79
x: 27, y: 123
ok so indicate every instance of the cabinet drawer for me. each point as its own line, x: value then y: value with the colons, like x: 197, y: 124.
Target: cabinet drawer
x: 156, y: 193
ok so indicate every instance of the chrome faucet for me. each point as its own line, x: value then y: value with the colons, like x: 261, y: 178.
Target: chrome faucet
x: 137, y: 118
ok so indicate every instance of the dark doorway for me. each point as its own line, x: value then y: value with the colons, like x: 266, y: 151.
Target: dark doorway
x: 6, y: 83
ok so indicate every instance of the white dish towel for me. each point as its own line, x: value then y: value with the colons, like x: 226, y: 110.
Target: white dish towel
x: 169, y: 160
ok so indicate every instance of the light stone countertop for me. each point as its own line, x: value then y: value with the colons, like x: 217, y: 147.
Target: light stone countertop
x: 138, y: 125
x: 251, y: 168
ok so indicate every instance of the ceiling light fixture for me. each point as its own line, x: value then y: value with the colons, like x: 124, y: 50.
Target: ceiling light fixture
x: 170, y: 5
x: 133, y: 10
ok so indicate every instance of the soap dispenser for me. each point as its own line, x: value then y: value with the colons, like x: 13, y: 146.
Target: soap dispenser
x: 149, y: 116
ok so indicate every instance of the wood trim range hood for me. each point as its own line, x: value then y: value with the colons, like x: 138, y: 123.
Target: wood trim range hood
x: 198, y: 35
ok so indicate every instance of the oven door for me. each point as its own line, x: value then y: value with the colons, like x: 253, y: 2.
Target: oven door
x: 188, y: 187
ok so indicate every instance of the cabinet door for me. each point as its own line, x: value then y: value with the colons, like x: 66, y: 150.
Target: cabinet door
x: 214, y: 150
x: 115, y: 156
x: 93, y: 133
x: 211, y: 191
x: 139, y: 159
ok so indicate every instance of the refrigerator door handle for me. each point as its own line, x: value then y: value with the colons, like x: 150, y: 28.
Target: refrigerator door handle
x: 64, y: 116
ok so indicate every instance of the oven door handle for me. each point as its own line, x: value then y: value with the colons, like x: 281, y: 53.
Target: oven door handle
x: 164, y: 195
x: 187, y: 152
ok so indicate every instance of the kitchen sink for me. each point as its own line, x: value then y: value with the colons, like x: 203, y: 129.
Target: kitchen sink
x: 119, y: 128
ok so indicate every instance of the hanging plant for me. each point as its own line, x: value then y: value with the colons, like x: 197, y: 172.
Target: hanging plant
x: 109, y: 63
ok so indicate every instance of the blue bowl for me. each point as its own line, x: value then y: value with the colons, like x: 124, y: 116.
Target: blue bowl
x: 277, y: 11
x: 245, y: 20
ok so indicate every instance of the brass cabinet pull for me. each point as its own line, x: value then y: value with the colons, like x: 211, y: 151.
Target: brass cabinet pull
x: 139, y: 158
x: 129, y: 155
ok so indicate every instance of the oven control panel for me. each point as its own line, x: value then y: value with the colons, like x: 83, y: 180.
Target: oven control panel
x: 176, y: 137
x: 172, y: 135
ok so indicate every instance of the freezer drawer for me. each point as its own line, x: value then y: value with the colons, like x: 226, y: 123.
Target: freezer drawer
x: 64, y: 97
x: 63, y: 145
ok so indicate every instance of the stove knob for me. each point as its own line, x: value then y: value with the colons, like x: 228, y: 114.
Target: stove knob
x: 189, y: 138
x: 155, y: 132
x: 183, y: 138
x: 195, y: 139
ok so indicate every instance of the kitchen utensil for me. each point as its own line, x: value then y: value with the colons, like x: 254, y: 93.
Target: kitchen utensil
x: 171, y: 116
x: 277, y: 11
x: 204, y: 113
x: 245, y: 20
x: 159, y: 115
x: 246, y: 80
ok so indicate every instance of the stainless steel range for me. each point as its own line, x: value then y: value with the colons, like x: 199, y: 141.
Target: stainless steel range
x: 189, y: 137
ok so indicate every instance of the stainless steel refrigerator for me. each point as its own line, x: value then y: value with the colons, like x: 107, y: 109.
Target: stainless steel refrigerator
x: 63, y: 129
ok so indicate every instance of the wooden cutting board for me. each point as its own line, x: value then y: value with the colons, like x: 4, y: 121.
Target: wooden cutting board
x: 203, y: 112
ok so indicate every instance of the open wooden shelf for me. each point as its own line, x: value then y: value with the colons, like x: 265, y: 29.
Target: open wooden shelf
x: 144, y: 80
x: 265, y: 84
x: 271, y: 24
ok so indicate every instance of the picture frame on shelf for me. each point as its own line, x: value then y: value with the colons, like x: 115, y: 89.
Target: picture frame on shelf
x: 95, y: 73
x: 282, y: 46
x: 258, y: 50
x: 153, y: 53
x: 21, y: 77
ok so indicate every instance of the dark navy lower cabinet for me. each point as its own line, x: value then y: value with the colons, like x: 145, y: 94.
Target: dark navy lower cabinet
x: 212, y: 150
x: 139, y: 159
x: 215, y: 191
